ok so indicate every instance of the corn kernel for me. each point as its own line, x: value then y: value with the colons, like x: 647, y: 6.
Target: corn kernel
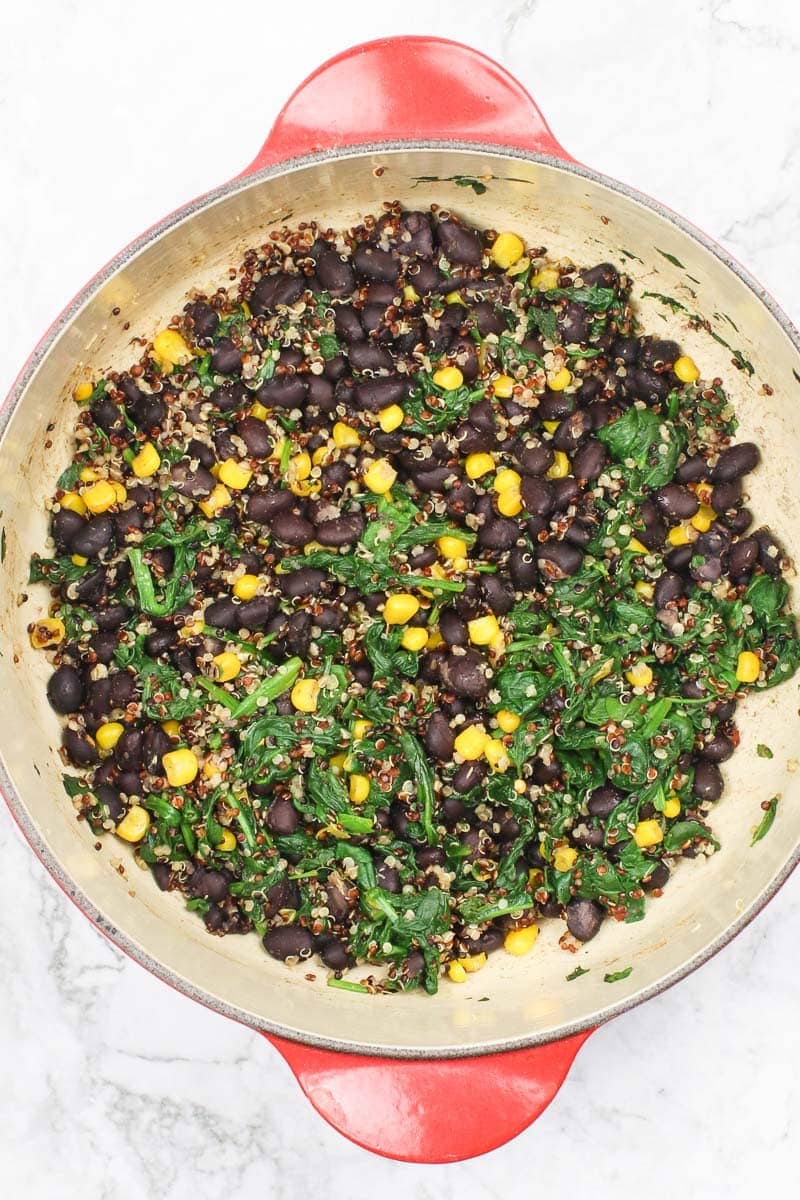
x: 108, y: 734
x: 639, y: 675
x: 146, y: 462
x: 391, y: 418
x: 400, y: 608
x: 379, y: 476
x: 79, y: 560
x: 171, y: 350
x: 559, y: 380
x: 134, y: 825
x: 48, y: 631
x: 503, y: 387
x: 120, y: 491
x: 455, y: 298
x: 361, y: 728
x: 451, y: 547
x: 344, y: 436
x: 410, y: 293
x: 521, y: 941
x: 218, y: 499
x: 337, y: 762
x: 681, y: 535
x: 88, y: 475
x: 564, y: 858
x: 506, y: 249
x: 227, y: 842
x: 672, y: 807
x: 507, y: 480
x: 644, y: 589
x: 305, y: 694
x: 471, y: 742
x: 637, y: 547
x: 551, y: 426
x: 181, y: 767
x: 704, y: 491
x: 456, y: 972
x: 483, y: 630
x: 259, y: 411
x: 509, y: 503
x: 647, y: 833
x: 546, y: 279
x: 473, y: 963
x: 603, y: 671
x: 74, y: 503
x: 478, y: 464
x: 460, y: 563
x: 748, y: 666
x: 171, y: 728
x: 560, y: 467
x: 686, y: 369
x: 496, y: 755
x: 508, y: 721
x: 358, y: 789
x: 414, y: 638
x: 277, y: 448
x: 435, y: 639
x: 236, y: 475
x: 100, y: 496
x: 322, y: 454
x: 448, y: 378
x: 82, y: 393
x: 246, y: 587
x: 703, y: 518
x: 212, y: 769
x: 226, y: 666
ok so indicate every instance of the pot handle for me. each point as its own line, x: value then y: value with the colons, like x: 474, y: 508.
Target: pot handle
x: 431, y: 1110
x: 407, y: 89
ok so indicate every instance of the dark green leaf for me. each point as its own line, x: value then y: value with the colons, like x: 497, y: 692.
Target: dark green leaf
x: 615, y: 976
x: 766, y: 821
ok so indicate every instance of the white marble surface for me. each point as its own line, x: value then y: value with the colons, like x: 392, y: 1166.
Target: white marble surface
x: 110, y: 1084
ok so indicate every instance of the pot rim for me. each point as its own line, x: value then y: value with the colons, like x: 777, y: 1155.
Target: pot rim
x: 15, y: 803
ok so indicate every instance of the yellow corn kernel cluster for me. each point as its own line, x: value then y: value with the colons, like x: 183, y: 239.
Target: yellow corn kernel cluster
x: 507, y: 485
x: 171, y: 349
x: 496, y: 755
x: 560, y: 467
x: 478, y: 464
x: 305, y: 694
x: 379, y: 476
x: 647, y: 833
x: 344, y: 436
x: 82, y: 392
x: 503, y: 387
x: 564, y: 858
x: 546, y: 279
x: 100, y: 496
x: 218, y: 499
x: 415, y: 638
x: 227, y: 842
x: 471, y: 742
x: 246, y: 587
x: 483, y: 630
x: 146, y: 462
x: 686, y: 369
x: 259, y: 411
x: 559, y: 380
x: 361, y: 728
x: 236, y: 475
x: 358, y: 789
x: 456, y: 972
x: 410, y: 293
x: 681, y: 535
x: 748, y: 666
x: 448, y: 378
x: 74, y: 502
x: 391, y: 418
x: 226, y: 666
x: 134, y: 825
x: 180, y: 767
x: 507, y: 721
x: 672, y: 807
x: 703, y: 518
x: 171, y: 728
x: 521, y: 941
x: 47, y: 632
x: 506, y: 249
x: 639, y: 675
x: 644, y: 589
x: 108, y: 734
x: 400, y: 608
x: 451, y: 547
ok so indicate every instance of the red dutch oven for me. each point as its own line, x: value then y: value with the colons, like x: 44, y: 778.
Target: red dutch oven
x: 421, y: 120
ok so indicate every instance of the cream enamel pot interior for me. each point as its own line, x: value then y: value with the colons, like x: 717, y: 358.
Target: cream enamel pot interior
x: 366, y: 119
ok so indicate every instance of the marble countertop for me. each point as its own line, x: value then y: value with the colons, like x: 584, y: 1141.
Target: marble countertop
x: 111, y: 1085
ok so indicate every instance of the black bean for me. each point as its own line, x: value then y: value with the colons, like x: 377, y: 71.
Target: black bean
x: 426, y: 278
x: 498, y: 593
x: 736, y: 461
x: 566, y: 491
x: 693, y: 689
x: 466, y: 674
x: 657, y: 354
x: 89, y: 588
x: 429, y: 856
x: 292, y: 529
x: 192, y: 483
x: 678, y: 558
x: 129, y: 749
x: 388, y: 878
x: 375, y: 394
x: 263, y: 507
x: 333, y: 952
x: 558, y: 560
x: 468, y: 776
x: 255, y: 437
x: 603, y: 275
x: 122, y: 688
x: 674, y: 500
x: 282, y: 817
x: 584, y: 919
x: 211, y: 885
x: 487, y: 318
x: 589, y: 460
x: 330, y: 618
x: 459, y: 244
x: 626, y: 349
x: 341, y: 531
x: 433, y: 479
x: 335, y: 274
x: 65, y: 690
x: 226, y: 358
x: 534, y: 460
x: 320, y: 394
x: 203, y: 317
x: 104, y: 645
x: 574, y: 323
x: 658, y: 878
x: 283, y: 391
x: 276, y: 289
x: 368, y: 356
x: 648, y: 385
x: 668, y: 588
x: 572, y: 430
x: 95, y: 536
x: 229, y: 396
x: 537, y: 494
x: 499, y: 533
x: 65, y: 525
x: 222, y: 613
x: 769, y: 552
x: 155, y: 745
x: 112, y: 616
x: 717, y: 749
x: 452, y: 628
x: 108, y: 798
x: 109, y: 417
x: 80, y: 748
x: 439, y: 737
x: 708, y: 571
x: 726, y: 495
x: 254, y: 614
x: 554, y: 406
x: 654, y: 533
x: 742, y: 558
x: 707, y: 783
x: 371, y: 263
x: 523, y: 570
x: 160, y: 640
x: 306, y: 581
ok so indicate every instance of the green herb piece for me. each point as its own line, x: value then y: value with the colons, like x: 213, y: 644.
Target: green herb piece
x: 177, y: 591
x: 346, y: 985
x: 424, y: 417
x: 764, y: 751
x: 670, y: 301
x: 615, y: 976
x: 217, y: 694
x: 423, y: 776
x: 681, y: 832
x: 676, y: 262
x: 766, y: 822
x: 269, y: 689
x: 544, y: 321
x: 741, y: 363
x: 576, y: 974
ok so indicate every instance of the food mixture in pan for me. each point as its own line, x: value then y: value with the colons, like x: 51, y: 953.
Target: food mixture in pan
x: 402, y: 594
